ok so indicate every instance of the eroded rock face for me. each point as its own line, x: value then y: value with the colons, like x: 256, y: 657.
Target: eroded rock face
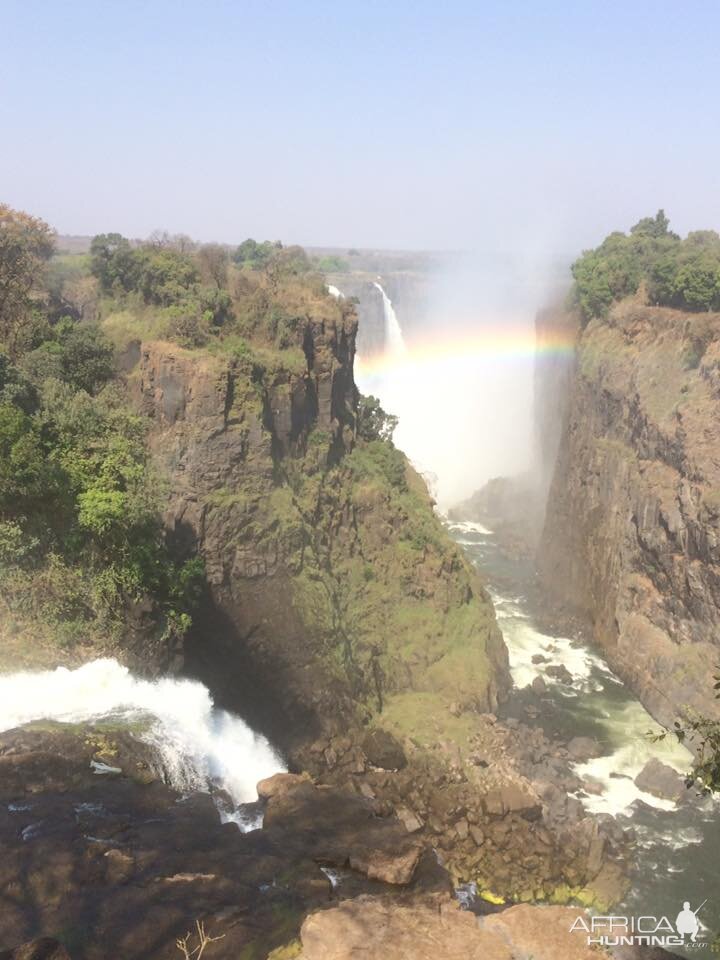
x: 328, y: 591
x: 632, y: 532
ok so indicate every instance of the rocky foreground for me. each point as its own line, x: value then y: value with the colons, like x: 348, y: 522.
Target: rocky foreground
x: 104, y: 860
x: 98, y: 850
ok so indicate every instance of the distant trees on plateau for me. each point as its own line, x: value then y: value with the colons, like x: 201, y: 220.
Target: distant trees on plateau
x: 684, y: 274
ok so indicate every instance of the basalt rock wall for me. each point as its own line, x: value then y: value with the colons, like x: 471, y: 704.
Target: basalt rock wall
x: 332, y: 586
x: 631, y: 539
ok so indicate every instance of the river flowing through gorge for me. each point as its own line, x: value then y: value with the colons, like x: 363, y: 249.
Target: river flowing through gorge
x: 677, y: 852
x: 677, y: 845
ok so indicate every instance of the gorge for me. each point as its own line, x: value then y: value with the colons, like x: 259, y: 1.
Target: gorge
x: 361, y: 632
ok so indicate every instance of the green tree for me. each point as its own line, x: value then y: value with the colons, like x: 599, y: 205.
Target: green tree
x: 255, y: 255
x: 26, y: 244
x: 79, y: 355
x: 657, y: 226
x: 372, y: 421
x: 113, y: 262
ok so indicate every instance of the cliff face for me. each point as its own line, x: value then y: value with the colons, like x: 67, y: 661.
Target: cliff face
x: 555, y: 369
x: 332, y: 586
x: 632, y: 530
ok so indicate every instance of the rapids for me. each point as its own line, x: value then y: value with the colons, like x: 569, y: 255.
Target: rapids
x: 678, y: 845
x: 199, y: 746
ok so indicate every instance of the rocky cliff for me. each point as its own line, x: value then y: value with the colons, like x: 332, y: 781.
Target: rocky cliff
x: 631, y: 536
x: 340, y: 617
x: 332, y: 587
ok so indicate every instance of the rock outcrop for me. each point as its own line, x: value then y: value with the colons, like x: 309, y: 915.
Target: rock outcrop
x: 432, y: 927
x: 632, y: 532
x: 118, y: 864
x: 332, y: 587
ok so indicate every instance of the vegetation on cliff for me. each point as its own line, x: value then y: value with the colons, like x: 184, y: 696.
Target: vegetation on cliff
x: 316, y: 494
x: 80, y: 530
x: 684, y: 274
x: 81, y: 536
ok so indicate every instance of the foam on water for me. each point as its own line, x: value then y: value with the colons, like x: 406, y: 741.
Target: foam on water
x: 524, y: 641
x: 629, y: 730
x: 198, y: 744
x: 468, y: 526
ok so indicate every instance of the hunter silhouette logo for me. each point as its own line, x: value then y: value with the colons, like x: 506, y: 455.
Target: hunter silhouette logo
x: 687, y: 922
x: 647, y: 930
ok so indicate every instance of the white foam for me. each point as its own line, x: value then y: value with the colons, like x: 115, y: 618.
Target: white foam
x: 198, y: 744
x: 469, y: 526
x: 630, y: 727
x: 524, y: 641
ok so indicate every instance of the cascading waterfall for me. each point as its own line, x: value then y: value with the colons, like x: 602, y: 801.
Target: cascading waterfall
x: 394, y: 342
x: 198, y: 745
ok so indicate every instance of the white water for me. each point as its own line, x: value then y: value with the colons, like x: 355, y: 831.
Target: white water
x: 198, y: 744
x: 626, y: 726
x: 394, y: 342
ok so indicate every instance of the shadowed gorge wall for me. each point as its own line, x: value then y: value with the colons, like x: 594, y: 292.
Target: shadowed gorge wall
x: 632, y: 531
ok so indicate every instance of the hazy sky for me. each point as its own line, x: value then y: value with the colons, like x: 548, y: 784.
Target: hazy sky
x: 399, y: 124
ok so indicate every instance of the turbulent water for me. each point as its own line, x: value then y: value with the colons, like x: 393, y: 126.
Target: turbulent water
x: 199, y: 745
x: 678, y: 849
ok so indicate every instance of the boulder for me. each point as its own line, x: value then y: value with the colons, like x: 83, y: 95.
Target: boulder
x: 409, y: 820
x: 543, y: 933
x: 387, y: 864
x: 513, y: 798
x: 335, y: 827
x: 383, y: 750
x: 583, y: 748
x: 278, y: 784
x: 559, y: 672
x: 538, y: 686
x: 661, y: 780
x: 379, y: 929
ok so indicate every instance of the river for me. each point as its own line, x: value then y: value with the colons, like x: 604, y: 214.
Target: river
x: 678, y: 846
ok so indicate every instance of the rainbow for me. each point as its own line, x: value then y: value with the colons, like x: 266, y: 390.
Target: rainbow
x: 506, y: 343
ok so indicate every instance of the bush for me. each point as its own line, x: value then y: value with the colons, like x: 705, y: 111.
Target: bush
x: 379, y: 459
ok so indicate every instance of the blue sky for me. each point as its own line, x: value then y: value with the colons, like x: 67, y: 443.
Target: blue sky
x: 493, y: 125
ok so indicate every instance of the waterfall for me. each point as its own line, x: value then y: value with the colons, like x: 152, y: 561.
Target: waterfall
x: 197, y: 743
x: 394, y: 343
